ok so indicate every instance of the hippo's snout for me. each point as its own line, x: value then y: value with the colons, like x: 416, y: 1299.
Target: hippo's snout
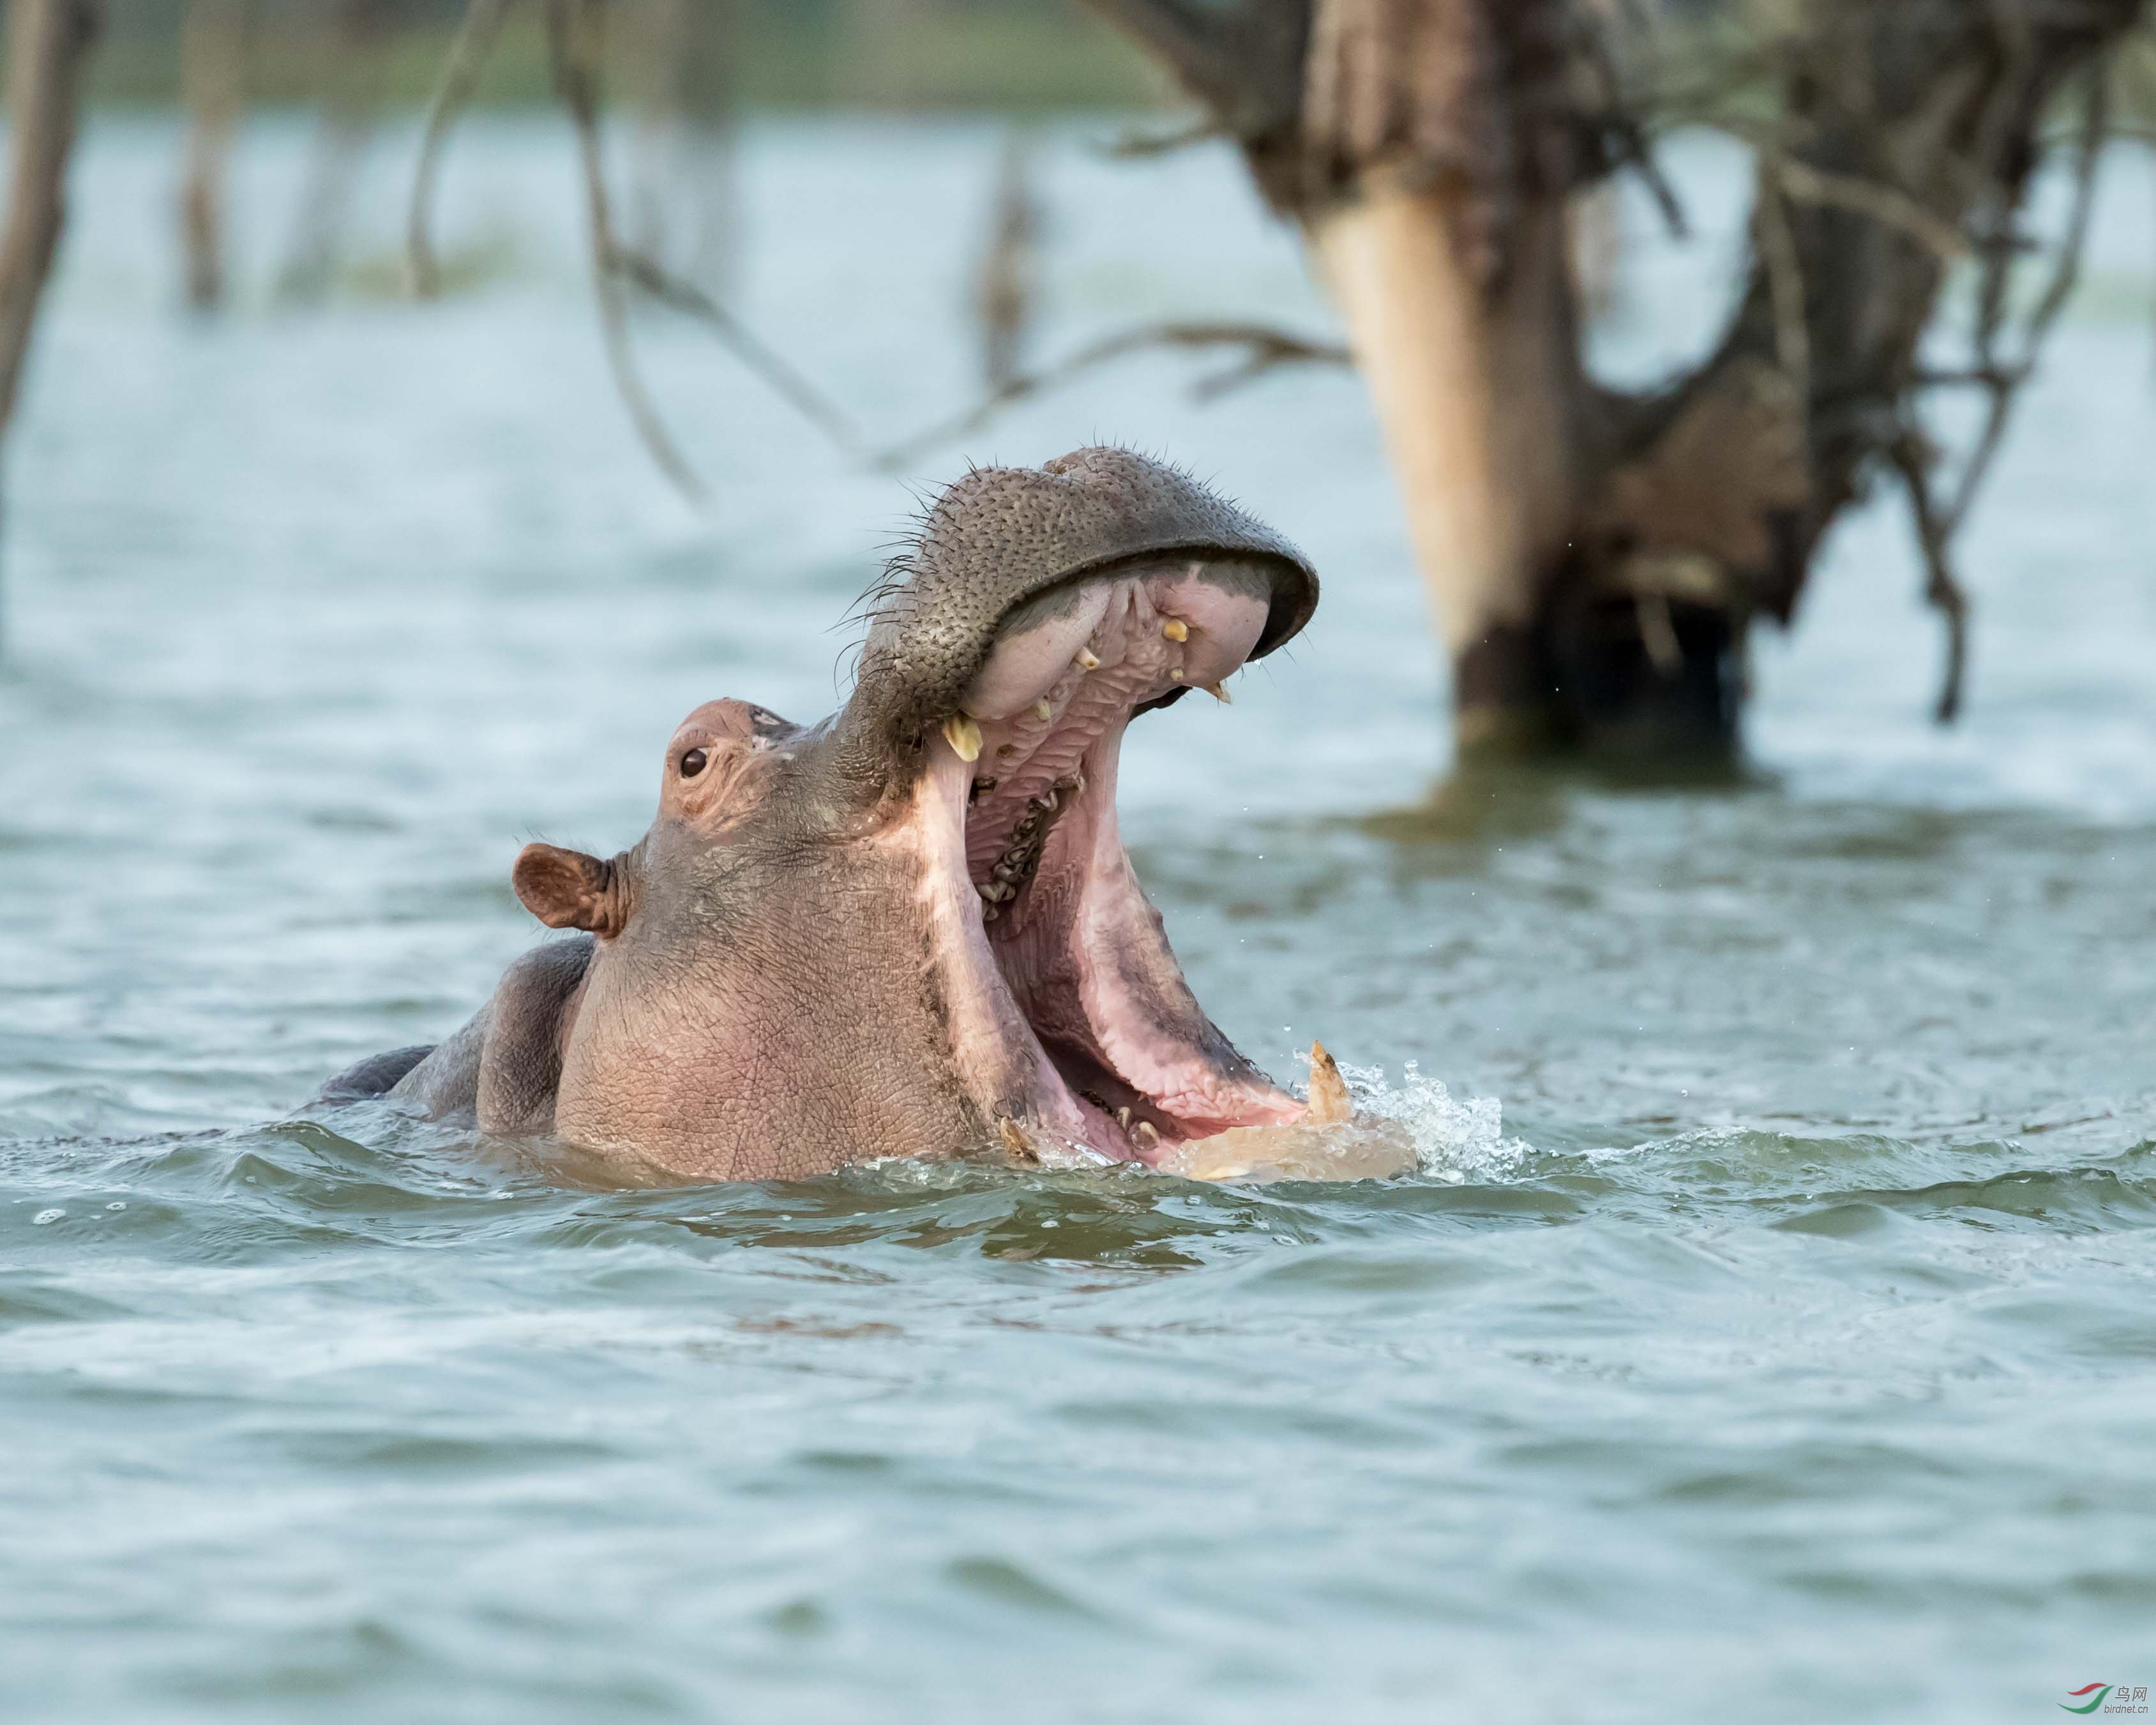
x: 1006, y: 548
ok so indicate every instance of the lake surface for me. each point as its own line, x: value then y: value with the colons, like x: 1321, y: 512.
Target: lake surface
x: 1770, y: 1333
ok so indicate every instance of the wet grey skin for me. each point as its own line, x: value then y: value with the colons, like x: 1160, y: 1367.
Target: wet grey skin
x: 797, y: 967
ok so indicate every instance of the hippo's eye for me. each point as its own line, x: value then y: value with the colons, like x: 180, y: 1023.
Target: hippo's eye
x: 694, y: 763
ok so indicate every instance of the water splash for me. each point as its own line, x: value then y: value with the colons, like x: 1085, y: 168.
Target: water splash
x: 1417, y: 1130
x: 1456, y: 1139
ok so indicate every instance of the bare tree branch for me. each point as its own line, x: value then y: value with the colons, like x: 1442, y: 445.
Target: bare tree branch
x: 2065, y: 274
x: 476, y: 36
x: 1267, y: 350
x: 575, y: 31
x: 1142, y: 145
x: 576, y: 40
x: 691, y: 301
x: 1911, y: 458
x: 1882, y: 202
x: 1626, y: 134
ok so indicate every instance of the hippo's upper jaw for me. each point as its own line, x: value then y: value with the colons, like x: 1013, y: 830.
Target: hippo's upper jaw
x: 910, y: 930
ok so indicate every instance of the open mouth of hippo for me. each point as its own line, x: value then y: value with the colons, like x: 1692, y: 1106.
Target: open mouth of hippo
x: 1063, y: 957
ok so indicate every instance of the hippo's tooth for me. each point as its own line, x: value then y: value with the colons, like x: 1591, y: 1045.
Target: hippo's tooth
x: 1088, y: 660
x: 963, y: 736
x: 1220, y: 694
x: 1016, y: 1142
x: 1123, y: 1118
x: 1328, y: 1091
x: 1042, y: 710
x: 1145, y: 1134
x: 985, y: 785
x: 1176, y: 629
x: 1175, y: 674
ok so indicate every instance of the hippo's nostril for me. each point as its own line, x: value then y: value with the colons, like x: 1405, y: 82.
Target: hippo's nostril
x: 694, y: 763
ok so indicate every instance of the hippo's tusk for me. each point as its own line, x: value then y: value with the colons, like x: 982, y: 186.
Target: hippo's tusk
x: 1088, y: 660
x: 1018, y: 1145
x: 1220, y: 693
x: 1329, y: 1104
x: 1176, y: 629
x: 1042, y: 710
x: 963, y: 736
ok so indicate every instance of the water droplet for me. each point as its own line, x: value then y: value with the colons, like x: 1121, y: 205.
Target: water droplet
x: 116, y: 1205
x: 1051, y: 1224
x: 45, y: 1216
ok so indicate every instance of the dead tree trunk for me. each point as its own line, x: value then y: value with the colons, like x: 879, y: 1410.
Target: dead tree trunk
x: 1596, y: 560
x: 48, y: 41
x: 213, y: 63
x: 48, y: 44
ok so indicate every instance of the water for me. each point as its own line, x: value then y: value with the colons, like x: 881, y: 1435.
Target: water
x: 1772, y: 1330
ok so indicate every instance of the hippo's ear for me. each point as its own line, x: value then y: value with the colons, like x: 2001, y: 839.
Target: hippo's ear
x: 566, y: 888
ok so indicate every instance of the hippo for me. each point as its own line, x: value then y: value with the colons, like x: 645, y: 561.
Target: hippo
x: 910, y: 930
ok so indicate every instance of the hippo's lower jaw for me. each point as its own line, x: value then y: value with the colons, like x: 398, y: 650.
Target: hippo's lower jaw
x: 1068, y: 1011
